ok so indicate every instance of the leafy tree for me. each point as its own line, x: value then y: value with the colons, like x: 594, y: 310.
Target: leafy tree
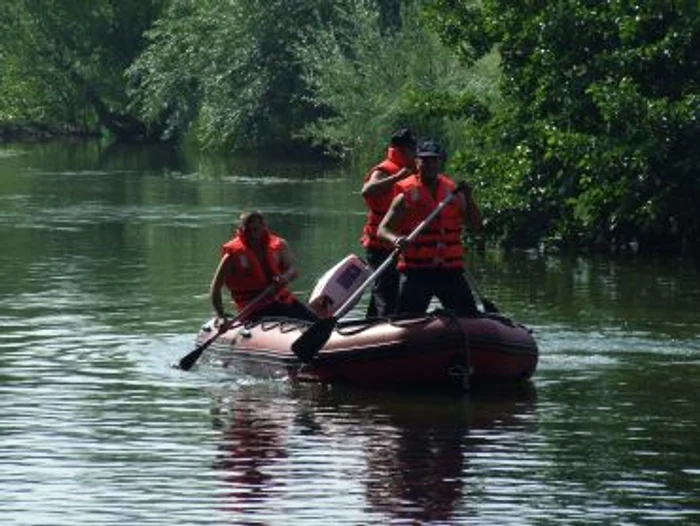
x: 595, y: 141
x: 228, y: 72
x: 371, y: 81
x: 68, y: 56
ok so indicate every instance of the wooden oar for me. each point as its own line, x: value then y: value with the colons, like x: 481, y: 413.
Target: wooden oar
x: 191, y: 358
x: 307, y: 345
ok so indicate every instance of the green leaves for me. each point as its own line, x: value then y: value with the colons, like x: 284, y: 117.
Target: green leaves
x: 227, y: 72
x: 371, y: 81
x: 68, y: 58
x: 604, y: 98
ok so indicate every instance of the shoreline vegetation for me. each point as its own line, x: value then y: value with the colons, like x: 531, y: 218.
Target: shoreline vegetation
x: 577, y: 132
x: 39, y: 133
x: 34, y: 132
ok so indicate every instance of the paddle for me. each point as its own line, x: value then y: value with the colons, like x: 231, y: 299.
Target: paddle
x: 307, y: 345
x: 487, y: 304
x: 189, y: 359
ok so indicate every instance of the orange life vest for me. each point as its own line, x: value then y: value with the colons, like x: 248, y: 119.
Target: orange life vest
x: 440, y: 243
x: 247, y: 278
x: 377, y: 205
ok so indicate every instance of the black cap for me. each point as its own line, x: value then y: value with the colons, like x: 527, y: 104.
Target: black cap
x: 429, y: 149
x: 403, y: 137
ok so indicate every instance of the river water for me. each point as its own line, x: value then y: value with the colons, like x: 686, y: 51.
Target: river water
x: 106, y: 255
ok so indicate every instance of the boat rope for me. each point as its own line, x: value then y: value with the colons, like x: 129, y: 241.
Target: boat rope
x: 285, y: 324
x: 461, y: 365
x: 351, y: 327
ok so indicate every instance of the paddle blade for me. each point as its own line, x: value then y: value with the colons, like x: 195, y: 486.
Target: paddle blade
x: 307, y: 345
x: 191, y: 358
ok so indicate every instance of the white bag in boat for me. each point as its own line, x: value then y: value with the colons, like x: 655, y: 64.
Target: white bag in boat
x: 334, y: 288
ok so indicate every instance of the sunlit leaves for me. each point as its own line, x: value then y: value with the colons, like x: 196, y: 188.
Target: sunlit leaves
x: 228, y: 73
x: 605, y: 97
x: 372, y: 81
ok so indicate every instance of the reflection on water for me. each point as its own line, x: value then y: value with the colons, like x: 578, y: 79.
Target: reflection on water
x: 406, y: 455
x: 250, y: 445
x: 106, y: 259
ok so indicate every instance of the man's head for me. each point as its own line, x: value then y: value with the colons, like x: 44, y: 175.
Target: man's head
x: 252, y: 227
x: 429, y: 159
x: 404, y: 140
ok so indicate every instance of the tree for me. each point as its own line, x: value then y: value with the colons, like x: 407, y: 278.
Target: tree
x: 227, y: 71
x: 72, y: 54
x: 372, y: 80
x: 597, y: 136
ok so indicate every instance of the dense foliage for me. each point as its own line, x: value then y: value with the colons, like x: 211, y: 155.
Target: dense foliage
x: 577, y: 121
x: 597, y: 141
x: 64, y: 61
x: 373, y: 80
x: 227, y: 71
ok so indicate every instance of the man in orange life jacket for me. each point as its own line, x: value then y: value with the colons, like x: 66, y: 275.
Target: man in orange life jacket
x: 378, y: 191
x: 433, y: 264
x: 250, y: 262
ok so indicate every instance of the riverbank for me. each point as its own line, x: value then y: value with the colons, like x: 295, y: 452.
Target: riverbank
x: 13, y: 131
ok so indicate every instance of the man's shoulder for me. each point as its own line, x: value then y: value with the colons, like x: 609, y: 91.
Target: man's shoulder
x: 234, y: 242
x: 276, y: 238
x: 411, y: 180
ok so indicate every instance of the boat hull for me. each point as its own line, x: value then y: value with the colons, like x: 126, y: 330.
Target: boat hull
x: 437, y: 349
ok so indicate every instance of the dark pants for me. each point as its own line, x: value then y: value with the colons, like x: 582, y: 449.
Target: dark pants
x: 385, y: 289
x: 418, y: 286
x: 296, y: 310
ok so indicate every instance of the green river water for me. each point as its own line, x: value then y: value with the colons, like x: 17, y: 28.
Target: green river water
x: 106, y: 256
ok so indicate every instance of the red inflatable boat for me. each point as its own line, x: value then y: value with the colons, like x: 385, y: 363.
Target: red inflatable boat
x: 434, y: 350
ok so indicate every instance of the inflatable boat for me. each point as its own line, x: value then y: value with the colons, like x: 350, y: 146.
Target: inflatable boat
x: 434, y: 350
x: 438, y: 349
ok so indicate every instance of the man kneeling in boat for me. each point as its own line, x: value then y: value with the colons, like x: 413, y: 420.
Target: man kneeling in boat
x: 252, y: 261
x: 433, y: 264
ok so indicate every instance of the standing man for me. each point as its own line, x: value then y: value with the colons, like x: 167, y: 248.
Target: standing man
x: 254, y: 259
x: 378, y: 191
x: 433, y: 264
